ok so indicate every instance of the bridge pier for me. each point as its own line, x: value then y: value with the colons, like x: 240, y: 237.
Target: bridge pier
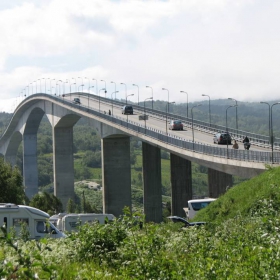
x: 218, y: 182
x: 181, y: 184
x: 63, y: 164
x: 116, y: 174
x: 152, y: 183
x: 30, y: 167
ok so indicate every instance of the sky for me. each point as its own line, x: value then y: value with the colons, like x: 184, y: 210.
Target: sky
x: 219, y: 48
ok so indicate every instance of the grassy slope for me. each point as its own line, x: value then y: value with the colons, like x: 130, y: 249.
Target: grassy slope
x: 243, y: 198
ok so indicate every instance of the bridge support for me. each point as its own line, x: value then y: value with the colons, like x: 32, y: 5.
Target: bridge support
x: 218, y: 182
x: 152, y: 183
x: 181, y: 184
x: 63, y: 164
x: 30, y: 168
x: 116, y: 174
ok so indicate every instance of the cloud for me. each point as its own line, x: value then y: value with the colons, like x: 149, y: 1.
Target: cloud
x: 221, y: 48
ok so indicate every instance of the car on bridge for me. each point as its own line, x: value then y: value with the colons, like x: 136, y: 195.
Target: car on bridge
x: 176, y: 125
x: 222, y: 138
x: 127, y: 110
x: 77, y: 101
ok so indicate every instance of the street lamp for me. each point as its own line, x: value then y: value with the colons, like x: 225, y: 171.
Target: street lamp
x: 126, y: 98
x: 167, y: 98
x: 138, y: 92
x: 75, y: 83
x: 152, y: 96
x: 115, y: 92
x: 227, y: 125
x: 96, y: 89
x: 235, y: 113
x: 187, y: 102
x: 105, y: 87
x: 145, y: 111
x: 79, y: 88
x: 269, y: 119
x: 167, y: 105
x: 125, y: 88
x: 89, y: 93
x: 209, y: 109
x: 115, y: 89
x: 192, y: 123
x: 272, y: 140
x: 99, y: 97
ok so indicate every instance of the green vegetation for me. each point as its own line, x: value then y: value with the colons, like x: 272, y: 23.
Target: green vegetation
x: 240, y: 241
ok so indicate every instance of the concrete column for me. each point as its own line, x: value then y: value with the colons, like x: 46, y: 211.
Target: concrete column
x: 63, y: 164
x: 218, y: 182
x: 181, y: 184
x: 116, y: 174
x: 152, y: 183
x: 30, y: 168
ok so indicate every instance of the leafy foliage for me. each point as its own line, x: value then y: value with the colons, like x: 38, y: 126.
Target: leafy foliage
x: 11, y: 184
x: 46, y: 202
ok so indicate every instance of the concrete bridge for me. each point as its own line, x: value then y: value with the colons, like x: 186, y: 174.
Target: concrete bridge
x: 115, y: 131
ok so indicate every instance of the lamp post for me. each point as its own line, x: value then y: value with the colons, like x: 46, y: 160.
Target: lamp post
x: 167, y: 98
x: 235, y: 113
x: 79, y: 87
x: 82, y: 81
x: 99, y: 98
x: 40, y: 85
x: 209, y: 109
x: 128, y: 96
x: 187, y: 102
x: 145, y: 111
x: 96, y: 89
x: 152, y: 96
x: 192, y: 123
x: 138, y: 91
x: 105, y: 87
x: 115, y: 89
x: 75, y: 83
x: 51, y: 85
x: 64, y: 86
x: 89, y: 94
x: 125, y: 88
x: 71, y: 90
x: 227, y: 125
x: 88, y: 82
x: 269, y: 119
x: 115, y: 92
x: 272, y: 140
x: 167, y: 105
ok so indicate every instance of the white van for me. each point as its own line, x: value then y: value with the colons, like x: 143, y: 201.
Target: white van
x: 12, y: 216
x: 195, y: 205
x: 71, y: 222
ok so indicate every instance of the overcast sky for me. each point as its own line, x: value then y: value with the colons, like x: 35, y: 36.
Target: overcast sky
x: 215, y: 47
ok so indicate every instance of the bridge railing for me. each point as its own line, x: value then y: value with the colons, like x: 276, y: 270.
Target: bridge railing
x: 241, y: 155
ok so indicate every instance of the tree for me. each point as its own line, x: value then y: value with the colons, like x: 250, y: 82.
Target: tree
x: 70, y: 206
x: 46, y: 202
x: 11, y: 184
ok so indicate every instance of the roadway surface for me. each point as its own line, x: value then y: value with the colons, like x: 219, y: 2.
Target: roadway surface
x: 154, y: 122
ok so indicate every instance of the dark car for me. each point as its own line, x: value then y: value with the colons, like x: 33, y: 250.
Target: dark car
x: 222, y: 138
x: 77, y: 101
x: 176, y: 125
x: 184, y: 222
x: 127, y: 109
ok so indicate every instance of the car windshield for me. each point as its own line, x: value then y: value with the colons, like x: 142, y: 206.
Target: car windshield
x: 177, y: 122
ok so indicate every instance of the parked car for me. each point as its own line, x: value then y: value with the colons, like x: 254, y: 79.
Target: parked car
x: 176, y: 125
x: 127, y: 109
x: 77, y: 101
x: 222, y: 138
x: 185, y: 223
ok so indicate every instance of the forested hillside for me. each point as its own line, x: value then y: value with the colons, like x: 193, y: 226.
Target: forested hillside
x: 252, y: 117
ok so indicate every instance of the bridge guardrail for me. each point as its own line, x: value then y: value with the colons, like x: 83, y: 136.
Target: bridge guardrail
x: 243, y: 155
